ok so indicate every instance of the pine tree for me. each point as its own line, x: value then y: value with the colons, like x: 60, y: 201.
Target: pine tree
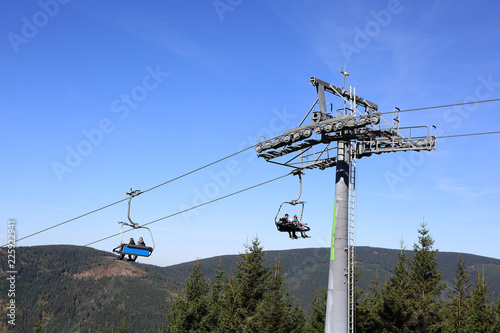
x: 316, y: 322
x: 251, y: 279
x: 243, y: 292
x: 275, y: 311
x: 425, y: 285
x: 497, y: 315
x: 298, y: 319
x: 368, y: 311
x: 177, y: 316
x: 481, y: 317
x: 38, y: 328
x: 228, y: 321
x: 212, y: 318
x: 395, y: 311
x: 459, y: 300
x: 188, y: 315
x: 106, y: 328
x: 123, y: 326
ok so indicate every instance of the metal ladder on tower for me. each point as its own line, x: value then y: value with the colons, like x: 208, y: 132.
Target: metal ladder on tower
x: 351, y: 264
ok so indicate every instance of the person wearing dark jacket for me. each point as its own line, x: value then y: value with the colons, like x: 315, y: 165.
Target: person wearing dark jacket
x: 285, y: 220
x: 130, y: 242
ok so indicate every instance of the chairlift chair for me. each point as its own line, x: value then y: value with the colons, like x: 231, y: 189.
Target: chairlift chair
x: 291, y: 227
x: 133, y: 251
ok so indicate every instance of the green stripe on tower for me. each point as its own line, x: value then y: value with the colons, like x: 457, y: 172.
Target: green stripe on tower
x: 332, y: 251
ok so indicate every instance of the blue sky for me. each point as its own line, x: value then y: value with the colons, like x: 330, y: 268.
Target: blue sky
x: 102, y: 96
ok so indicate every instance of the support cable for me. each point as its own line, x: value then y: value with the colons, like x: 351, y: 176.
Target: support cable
x: 117, y: 202
x: 444, y: 106
x: 67, y: 221
x: 194, y: 207
x: 470, y: 134
x: 239, y: 152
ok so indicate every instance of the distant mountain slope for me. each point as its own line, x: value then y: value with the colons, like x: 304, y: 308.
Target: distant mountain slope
x: 72, y: 288
x: 77, y: 288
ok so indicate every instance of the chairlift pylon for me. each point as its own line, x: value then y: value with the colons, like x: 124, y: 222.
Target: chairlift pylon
x: 133, y: 251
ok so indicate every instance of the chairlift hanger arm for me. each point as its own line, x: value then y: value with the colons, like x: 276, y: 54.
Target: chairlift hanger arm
x: 298, y: 172
x: 132, y: 194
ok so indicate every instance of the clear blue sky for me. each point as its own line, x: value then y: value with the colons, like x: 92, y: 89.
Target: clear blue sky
x: 101, y: 96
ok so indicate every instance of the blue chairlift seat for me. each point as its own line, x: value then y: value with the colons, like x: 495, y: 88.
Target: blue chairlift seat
x: 136, y: 250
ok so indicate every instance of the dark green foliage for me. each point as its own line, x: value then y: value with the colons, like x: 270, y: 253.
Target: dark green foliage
x: 396, y: 297
x: 425, y: 285
x: 368, y: 312
x: 123, y: 328
x: 52, y: 289
x: 307, y: 269
x: 257, y: 299
x: 188, y: 315
x: 56, y: 293
x: 481, y: 318
x: 254, y: 299
x: 38, y: 328
x: 496, y: 311
x: 251, y: 278
x: 275, y: 313
x: 297, y: 318
x: 212, y: 318
x: 316, y: 321
x: 459, y: 301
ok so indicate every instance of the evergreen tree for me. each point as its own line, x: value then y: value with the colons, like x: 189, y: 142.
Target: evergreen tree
x: 38, y: 328
x: 459, y: 300
x: 395, y: 311
x: 211, y: 321
x: 228, y: 322
x: 368, y: 311
x: 106, y: 328
x: 187, y: 316
x: 275, y: 311
x: 497, y: 315
x: 177, y: 316
x: 123, y: 326
x: 425, y: 285
x: 481, y: 317
x: 298, y: 319
x: 316, y: 322
x: 251, y: 279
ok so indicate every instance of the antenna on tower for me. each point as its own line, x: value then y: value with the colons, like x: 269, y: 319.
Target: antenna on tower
x: 345, y: 73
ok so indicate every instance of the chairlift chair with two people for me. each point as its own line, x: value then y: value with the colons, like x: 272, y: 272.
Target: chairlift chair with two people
x: 133, y: 251
x: 285, y: 225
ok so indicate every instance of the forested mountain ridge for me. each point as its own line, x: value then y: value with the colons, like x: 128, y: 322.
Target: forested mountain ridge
x: 307, y: 269
x: 72, y: 288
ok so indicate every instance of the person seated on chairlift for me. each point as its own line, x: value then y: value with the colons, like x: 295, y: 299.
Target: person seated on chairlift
x: 285, y: 220
x: 131, y: 242
x: 140, y: 242
x: 300, y: 226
